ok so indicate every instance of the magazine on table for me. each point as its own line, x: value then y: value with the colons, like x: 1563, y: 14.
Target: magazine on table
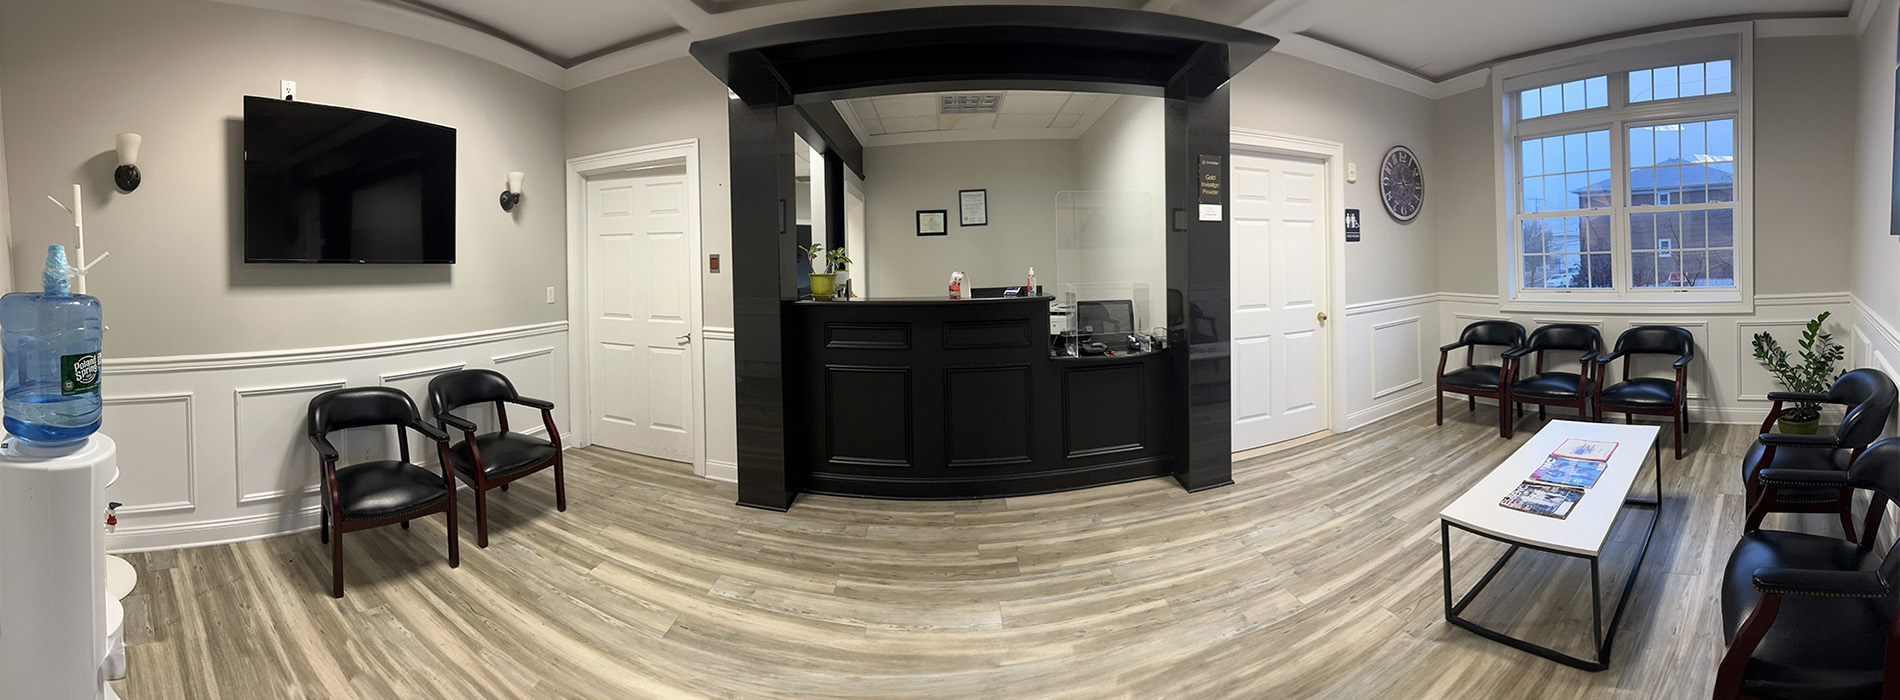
x: 1548, y: 500
x: 1593, y: 450
x: 1576, y: 463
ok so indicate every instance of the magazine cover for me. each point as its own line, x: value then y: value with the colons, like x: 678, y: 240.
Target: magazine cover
x: 1566, y: 471
x: 1596, y: 450
x: 1543, y: 499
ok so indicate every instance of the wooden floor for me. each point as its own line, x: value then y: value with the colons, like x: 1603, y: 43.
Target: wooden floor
x: 1316, y: 575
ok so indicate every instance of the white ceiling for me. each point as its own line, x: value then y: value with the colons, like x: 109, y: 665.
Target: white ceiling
x: 1413, y: 44
x: 1020, y: 114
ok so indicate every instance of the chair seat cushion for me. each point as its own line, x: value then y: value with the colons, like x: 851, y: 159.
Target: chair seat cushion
x: 503, y: 454
x: 386, y: 489
x: 1823, y: 648
x: 1548, y: 385
x: 1477, y: 377
x: 1641, y: 392
x: 1800, y: 458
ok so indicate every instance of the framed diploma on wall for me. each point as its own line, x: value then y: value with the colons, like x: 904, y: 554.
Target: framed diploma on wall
x: 931, y: 222
x: 975, y: 206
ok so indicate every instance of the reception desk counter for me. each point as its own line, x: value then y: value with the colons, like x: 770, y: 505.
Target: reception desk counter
x: 950, y: 399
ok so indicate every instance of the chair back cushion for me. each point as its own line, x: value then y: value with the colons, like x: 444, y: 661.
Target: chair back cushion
x: 468, y: 387
x: 1869, y: 395
x: 1656, y: 340
x: 1505, y: 333
x: 1566, y: 336
x: 1878, y: 470
x: 356, y: 407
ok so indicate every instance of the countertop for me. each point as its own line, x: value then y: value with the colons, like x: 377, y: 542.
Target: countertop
x: 920, y: 301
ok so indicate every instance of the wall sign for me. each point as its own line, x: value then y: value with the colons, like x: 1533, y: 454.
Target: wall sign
x: 1352, y: 225
x: 930, y: 222
x: 1212, y: 190
x: 975, y: 206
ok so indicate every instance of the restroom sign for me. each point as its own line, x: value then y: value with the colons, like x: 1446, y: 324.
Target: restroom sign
x: 1352, y: 225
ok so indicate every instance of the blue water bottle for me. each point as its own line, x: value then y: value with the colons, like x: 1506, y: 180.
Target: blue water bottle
x: 51, y: 341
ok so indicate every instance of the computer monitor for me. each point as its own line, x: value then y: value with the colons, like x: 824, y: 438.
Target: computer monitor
x: 1105, y: 317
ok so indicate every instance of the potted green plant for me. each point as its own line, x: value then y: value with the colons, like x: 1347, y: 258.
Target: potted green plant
x: 1812, y: 375
x: 824, y: 284
x: 840, y: 263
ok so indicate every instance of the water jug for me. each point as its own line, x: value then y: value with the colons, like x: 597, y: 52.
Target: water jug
x: 51, y: 341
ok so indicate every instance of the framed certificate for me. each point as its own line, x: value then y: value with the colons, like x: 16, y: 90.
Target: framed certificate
x: 975, y: 206
x: 931, y: 222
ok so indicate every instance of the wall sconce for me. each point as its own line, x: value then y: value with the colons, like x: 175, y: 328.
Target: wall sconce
x: 127, y: 176
x: 512, y: 196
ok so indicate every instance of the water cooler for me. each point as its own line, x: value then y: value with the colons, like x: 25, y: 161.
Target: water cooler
x: 59, y: 629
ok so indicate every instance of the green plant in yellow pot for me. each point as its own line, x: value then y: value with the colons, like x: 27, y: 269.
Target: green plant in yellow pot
x: 1814, y: 374
x: 825, y: 284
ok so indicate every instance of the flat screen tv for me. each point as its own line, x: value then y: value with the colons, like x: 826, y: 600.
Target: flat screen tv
x: 334, y: 185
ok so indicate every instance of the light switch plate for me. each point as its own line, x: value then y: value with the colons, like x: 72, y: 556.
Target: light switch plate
x: 550, y: 295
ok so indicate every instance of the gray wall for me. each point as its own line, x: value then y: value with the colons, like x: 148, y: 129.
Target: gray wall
x: 6, y: 211
x: 1022, y: 179
x: 176, y: 71
x: 1291, y: 96
x: 1875, y: 252
x: 672, y: 101
x: 1804, y: 133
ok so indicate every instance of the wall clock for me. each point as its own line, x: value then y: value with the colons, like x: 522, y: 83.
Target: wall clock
x: 1401, y: 184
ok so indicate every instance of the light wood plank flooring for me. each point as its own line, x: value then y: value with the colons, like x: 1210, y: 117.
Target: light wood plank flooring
x: 1316, y: 575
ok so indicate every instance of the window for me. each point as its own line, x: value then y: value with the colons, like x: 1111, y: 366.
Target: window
x: 1622, y: 176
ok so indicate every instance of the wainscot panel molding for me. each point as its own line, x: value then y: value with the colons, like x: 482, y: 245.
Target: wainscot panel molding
x: 197, y: 472
x: 1389, y: 354
x: 722, y: 407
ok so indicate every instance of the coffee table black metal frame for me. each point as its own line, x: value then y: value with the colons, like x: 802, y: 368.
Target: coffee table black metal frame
x: 1603, y: 637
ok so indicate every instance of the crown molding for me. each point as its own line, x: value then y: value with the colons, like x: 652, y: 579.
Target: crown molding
x: 414, y: 25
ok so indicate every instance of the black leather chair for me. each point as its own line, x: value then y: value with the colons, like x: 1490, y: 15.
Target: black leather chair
x: 1869, y: 396
x: 493, y: 460
x: 376, y: 493
x: 1553, y: 387
x: 1474, y: 380
x: 1648, y: 395
x: 1811, y: 616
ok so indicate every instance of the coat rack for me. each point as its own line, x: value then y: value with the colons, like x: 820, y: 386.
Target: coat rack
x: 79, y: 262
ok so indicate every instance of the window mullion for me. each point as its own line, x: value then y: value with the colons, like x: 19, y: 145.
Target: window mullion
x: 1620, y: 255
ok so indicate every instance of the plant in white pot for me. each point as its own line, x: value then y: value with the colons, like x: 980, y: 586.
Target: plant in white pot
x: 1814, y: 374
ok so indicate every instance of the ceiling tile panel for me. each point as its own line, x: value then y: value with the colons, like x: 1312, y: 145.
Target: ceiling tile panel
x: 1024, y: 102
x: 902, y: 124
x: 1024, y: 121
x: 900, y: 106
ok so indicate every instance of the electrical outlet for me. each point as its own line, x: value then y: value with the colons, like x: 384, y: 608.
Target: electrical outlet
x: 550, y: 295
x: 290, y: 90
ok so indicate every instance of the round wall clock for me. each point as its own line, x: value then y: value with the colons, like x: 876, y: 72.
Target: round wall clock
x: 1401, y: 183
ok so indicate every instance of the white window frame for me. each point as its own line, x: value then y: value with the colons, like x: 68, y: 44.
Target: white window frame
x: 1615, y: 58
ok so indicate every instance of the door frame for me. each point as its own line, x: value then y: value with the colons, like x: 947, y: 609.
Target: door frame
x: 580, y: 334
x: 1332, y: 156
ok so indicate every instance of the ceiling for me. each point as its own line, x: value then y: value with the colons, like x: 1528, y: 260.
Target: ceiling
x: 1017, y: 114
x: 1407, y: 43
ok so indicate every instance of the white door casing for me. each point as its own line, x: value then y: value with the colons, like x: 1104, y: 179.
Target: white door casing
x: 1281, y: 354
x: 641, y: 328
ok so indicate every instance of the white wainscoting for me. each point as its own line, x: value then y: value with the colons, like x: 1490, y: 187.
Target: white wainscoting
x: 212, y: 448
x: 722, y: 405
x: 1389, y: 355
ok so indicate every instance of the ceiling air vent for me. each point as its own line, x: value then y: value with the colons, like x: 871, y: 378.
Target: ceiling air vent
x: 970, y: 104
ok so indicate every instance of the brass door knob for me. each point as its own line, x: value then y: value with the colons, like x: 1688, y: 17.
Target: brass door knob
x: 1322, y: 317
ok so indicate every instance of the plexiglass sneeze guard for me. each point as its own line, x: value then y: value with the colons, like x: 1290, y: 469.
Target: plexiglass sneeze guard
x: 1110, y: 257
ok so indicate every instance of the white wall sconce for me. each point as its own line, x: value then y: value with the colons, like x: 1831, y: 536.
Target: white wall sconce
x: 127, y: 177
x: 512, y: 196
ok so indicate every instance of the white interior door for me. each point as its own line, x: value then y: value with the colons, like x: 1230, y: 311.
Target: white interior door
x: 1279, y: 293
x: 640, y: 314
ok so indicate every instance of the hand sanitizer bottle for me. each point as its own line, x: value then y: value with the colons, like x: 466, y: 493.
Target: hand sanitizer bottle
x: 51, y: 340
x: 1029, y: 290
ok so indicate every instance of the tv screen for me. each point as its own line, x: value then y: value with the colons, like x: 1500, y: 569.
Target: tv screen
x: 333, y: 185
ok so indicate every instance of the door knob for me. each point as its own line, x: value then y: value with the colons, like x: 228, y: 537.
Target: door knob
x: 684, y: 339
x: 1322, y: 317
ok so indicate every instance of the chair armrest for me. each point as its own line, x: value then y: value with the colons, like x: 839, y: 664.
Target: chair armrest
x: 1517, y: 352
x: 1604, y: 360
x: 456, y: 422
x: 325, y: 450
x: 533, y: 403
x: 1683, y: 361
x: 1803, y: 477
x: 1820, y: 583
x: 430, y: 431
x: 1798, y: 397
x: 1451, y: 347
x: 1786, y: 440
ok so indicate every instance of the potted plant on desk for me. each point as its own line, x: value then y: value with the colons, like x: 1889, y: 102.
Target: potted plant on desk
x: 1814, y: 375
x: 824, y: 284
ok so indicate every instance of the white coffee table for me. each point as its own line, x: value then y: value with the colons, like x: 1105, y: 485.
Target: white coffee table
x: 1582, y: 534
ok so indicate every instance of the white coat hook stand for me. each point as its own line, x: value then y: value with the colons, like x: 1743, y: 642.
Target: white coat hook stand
x: 79, y: 262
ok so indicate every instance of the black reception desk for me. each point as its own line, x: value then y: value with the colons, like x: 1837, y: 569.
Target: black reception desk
x: 952, y: 399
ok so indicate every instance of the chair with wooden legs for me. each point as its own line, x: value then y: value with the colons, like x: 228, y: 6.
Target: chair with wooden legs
x: 1649, y: 395
x: 1812, y: 617
x: 1553, y: 387
x: 1869, y: 396
x: 380, y: 492
x: 494, y: 460
x: 1475, y: 380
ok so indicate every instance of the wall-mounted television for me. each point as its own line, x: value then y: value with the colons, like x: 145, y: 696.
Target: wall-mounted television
x: 333, y: 185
